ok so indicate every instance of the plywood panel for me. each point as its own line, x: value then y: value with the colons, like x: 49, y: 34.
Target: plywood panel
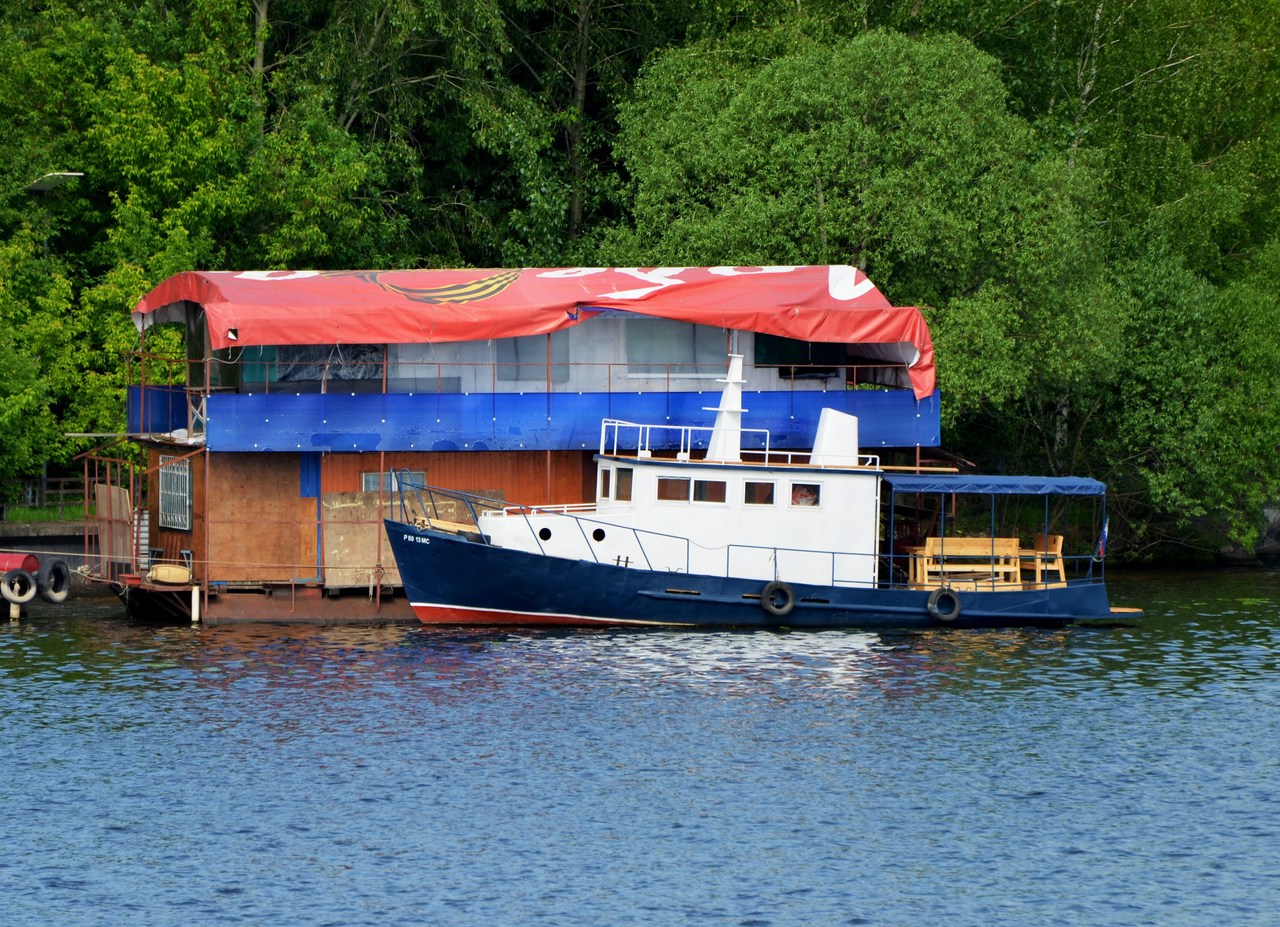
x: 115, y: 522
x: 356, y: 551
x: 260, y: 529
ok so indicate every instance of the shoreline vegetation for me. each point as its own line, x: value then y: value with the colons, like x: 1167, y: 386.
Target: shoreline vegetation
x: 1082, y: 197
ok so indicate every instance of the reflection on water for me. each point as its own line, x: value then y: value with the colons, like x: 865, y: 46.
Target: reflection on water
x: 308, y: 775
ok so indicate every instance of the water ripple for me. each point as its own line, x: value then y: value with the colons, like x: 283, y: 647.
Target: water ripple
x: 266, y: 775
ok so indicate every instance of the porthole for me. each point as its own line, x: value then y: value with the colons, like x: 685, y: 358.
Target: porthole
x: 544, y: 533
x: 598, y: 534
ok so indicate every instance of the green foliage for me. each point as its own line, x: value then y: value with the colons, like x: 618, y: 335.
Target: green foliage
x: 1195, y: 434
x: 1083, y: 194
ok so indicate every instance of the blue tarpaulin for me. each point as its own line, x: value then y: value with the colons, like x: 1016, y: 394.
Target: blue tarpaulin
x: 994, y: 485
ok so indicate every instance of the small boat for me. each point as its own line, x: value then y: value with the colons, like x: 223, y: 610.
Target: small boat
x: 725, y: 532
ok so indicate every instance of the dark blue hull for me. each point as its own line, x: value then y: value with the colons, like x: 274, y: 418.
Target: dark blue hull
x: 452, y: 580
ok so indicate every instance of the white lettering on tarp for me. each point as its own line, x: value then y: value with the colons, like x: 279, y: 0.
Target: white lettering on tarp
x: 277, y: 274
x: 843, y: 282
x: 661, y: 277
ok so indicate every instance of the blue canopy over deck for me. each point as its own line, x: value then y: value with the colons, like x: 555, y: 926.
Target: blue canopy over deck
x: 976, y: 484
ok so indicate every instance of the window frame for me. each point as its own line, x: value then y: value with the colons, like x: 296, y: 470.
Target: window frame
x: 704, y: 485
x: 689, y: 340
x: 174, y: 503
x: 770, y: 484
x: 389, y: 482
x: 800, y: 487
x: 671, y: 480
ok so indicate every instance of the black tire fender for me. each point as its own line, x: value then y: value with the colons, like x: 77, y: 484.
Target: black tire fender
x: 54, y: 581
x: 18, y: 586
x: 944, y: 605
x: 778, y: 599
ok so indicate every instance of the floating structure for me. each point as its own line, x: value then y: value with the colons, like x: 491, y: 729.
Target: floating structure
x: 740, y: 534
x: 276, y: 412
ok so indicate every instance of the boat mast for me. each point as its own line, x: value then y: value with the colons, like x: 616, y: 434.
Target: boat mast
x: 726, y: 435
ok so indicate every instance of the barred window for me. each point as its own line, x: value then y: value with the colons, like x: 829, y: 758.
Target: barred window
x: 175, y: 493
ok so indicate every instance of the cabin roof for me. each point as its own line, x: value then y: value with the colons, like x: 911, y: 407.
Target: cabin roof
x: 820, y: 303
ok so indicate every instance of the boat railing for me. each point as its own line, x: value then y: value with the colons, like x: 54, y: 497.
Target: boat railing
x: 905, y: 569
x: 617, y: 435
x: 373, y: 369
x: 778, y: 555
x: 434, y: 506
x: 422, y: 504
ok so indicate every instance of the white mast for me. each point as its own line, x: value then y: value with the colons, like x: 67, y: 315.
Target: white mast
x: 726, y: 435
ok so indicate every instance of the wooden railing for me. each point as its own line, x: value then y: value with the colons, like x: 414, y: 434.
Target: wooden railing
x: 46, y: 498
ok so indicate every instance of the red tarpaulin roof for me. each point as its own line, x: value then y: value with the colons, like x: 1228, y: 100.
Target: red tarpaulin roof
x: 834, y: 303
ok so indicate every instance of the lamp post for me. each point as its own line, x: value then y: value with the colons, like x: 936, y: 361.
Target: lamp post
x: 44, y: 184
x: 48, y: 181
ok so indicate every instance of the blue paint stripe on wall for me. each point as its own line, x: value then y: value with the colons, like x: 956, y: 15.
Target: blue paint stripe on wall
x: 540, y: 421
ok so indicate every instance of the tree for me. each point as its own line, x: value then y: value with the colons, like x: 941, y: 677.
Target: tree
x: 892, y: 153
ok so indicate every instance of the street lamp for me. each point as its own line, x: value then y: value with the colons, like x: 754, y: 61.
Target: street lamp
x: 43, y: 185
x: 49, y: 181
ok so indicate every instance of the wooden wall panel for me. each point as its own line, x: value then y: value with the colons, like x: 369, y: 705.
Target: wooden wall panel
x: 529, y: 477
x: 169, y: 543
x: 260, y: 530
x: 356, y: 550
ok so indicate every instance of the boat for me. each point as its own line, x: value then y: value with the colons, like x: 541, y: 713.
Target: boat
x: 725, y: 531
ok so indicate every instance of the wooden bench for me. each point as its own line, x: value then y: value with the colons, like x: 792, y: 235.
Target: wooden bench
x: 969, y: 563
x: 1045, y: 558
x: 440, y: 524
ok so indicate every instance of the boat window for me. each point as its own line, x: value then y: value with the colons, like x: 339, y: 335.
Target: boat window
x: 623, y: 491
x: 175, y: 493
x: 673, y: 488
x: 806, y: 494
x: 757, y: 493
x: 708, y: 491
x: 372, y: 480
x: 605, y: 474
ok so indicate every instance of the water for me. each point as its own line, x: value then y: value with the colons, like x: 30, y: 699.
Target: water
x: 389, y: 776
